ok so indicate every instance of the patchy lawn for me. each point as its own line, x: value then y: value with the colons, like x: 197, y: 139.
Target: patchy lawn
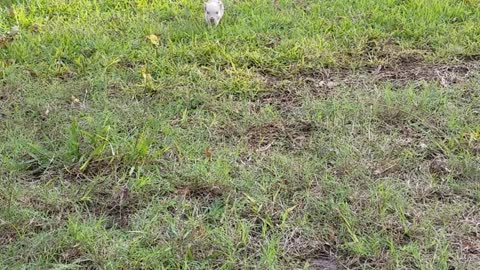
x: 296, y: 135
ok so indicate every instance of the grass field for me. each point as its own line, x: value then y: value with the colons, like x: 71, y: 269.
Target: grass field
x: 295, y: 135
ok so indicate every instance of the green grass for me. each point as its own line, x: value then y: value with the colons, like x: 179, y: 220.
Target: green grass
x: 296, y: 135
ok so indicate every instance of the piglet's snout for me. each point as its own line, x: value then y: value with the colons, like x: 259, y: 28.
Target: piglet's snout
x: 212, y: 20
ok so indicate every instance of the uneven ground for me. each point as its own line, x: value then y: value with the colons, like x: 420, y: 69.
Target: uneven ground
x: 296, y: 135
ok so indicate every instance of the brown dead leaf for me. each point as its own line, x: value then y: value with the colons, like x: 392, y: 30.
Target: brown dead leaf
x: 208, y: 154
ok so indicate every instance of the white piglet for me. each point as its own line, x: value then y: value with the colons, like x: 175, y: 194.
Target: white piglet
x: 214, y: 10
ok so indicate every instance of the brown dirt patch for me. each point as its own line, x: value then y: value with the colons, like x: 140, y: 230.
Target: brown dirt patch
x: 283, y: 100
x: 129, y: 64
x: 227, y: 130
x: 5, y: 40
x: 404, y: 72
x: 5, y: 93
x: 70, y: 254
x: 8, y: 234
x: 200, y: 192
x: 118, y: 207
x: 203, y: 195
x: 98, y: 167
x: 285, y: 92
x: 6, y: 102
x: 401, y: 72
x: 262, y: 137
x: 11, y: 232
x: 302, y: 248
x: 357, y: 263
x: 37, y: 171
x: 76, y: 255
x: 60, y: 209
x: 323, y: 263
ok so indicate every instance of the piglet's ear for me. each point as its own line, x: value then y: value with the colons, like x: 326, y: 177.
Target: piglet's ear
x: 205, y: 6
